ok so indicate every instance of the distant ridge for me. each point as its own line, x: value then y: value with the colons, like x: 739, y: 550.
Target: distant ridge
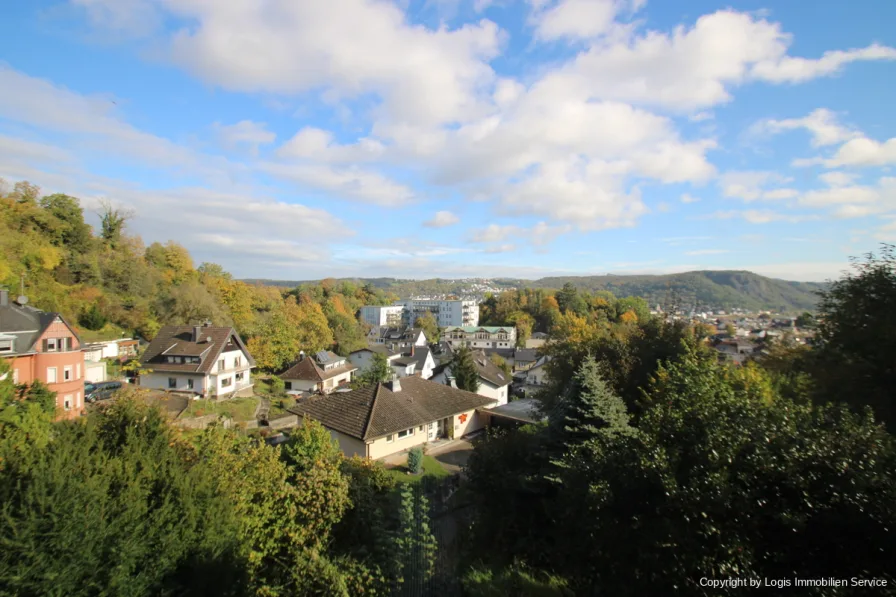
x: 705, y: 288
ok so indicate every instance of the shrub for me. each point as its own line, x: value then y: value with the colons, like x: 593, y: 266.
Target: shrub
x: 278, y: 386
x: 415, y: 460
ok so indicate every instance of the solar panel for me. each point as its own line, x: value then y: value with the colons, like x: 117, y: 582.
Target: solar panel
x: 322, y: 356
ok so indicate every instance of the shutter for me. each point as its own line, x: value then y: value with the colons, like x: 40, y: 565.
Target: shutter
x: 45, y: 344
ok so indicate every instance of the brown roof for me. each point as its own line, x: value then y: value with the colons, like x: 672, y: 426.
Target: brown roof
x: 375, y: 411
x: 308, y: 370
x: 489, y: 371
x: 177, y: 340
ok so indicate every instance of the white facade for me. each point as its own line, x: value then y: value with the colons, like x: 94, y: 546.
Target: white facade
x: 445, y: 312
x: 382, y: 315
x: 230, y: 374
x: 362, y: 359
x: 94, y: 371
x: 486, y: 388
x: 480, y: 336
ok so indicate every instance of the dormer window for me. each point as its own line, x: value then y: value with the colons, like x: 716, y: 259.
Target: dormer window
x: 7, y: 344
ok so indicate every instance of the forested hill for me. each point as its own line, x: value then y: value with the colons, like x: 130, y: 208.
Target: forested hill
x: 717, y: 289
x: 724, y: 289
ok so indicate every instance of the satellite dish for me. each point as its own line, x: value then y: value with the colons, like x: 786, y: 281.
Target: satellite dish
x: 22, y: 300
x: 208, y: 339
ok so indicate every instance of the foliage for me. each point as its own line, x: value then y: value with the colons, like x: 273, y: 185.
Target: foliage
x: 378, y: 371
x: 93, y: 319
x: 415, y: 460
x: 427, y: 322
x: 415, y: 545
x: 857, y: 317
x: 278, y: 386
x: 464, y: 370
x: 513, y: 580
x: 501, y: 363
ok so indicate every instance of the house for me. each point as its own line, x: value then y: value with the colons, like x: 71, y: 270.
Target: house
x: 382, y: 315
x: 524, y: 358
x: 480, y: 336
x: 385, y: 418
x: 412, y: 360
x: 204, y: 360
x: 42, y: 346
x: 493, y: 382
x: 536, y: 340
x: 322, y: 373
x: 537, y: 374
x: 446, y: 312
x: 400, y: 336
x: 524, y: 411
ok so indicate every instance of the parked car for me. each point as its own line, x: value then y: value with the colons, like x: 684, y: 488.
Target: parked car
x: 102, y: 390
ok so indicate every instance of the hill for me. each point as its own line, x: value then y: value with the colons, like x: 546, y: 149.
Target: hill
x: 699, y: 289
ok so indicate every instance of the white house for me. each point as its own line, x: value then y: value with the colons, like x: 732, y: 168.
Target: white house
x: 400, y: 336
x: 537, y: 374
x: 382, y: 315
x: 480, y: 336
x: 385, y: 418
x: 493, y: 382
x: 446, y: 312
x: 323, y: 373
x: 204, y: 360
x: 404, y: 361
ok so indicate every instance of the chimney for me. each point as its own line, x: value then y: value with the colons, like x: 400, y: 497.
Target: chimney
x: 4, y: 297
x: 452, y: 383
x: 197, y: 333
x: 394, y: 385
x: 301, y: 355
x: 412, y: 350
x: 208, y: 323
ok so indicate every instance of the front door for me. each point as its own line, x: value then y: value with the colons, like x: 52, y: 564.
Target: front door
x: 432, y: 432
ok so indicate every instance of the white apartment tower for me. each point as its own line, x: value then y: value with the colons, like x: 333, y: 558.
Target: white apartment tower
x: 382, y: 316
x: 446, y: 312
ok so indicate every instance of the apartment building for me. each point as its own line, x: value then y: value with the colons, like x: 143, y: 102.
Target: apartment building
x: 448, y: 312
x: 377, y: 316
x: 480, y: 336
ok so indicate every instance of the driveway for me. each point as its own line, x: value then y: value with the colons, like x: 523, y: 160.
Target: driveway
x: 453, y: 455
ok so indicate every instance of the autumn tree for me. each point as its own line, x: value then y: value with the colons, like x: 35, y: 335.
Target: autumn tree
x: 427, y: 322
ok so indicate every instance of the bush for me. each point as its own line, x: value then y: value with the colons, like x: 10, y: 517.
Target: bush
x: 278, y: 386
x: 415, y: 460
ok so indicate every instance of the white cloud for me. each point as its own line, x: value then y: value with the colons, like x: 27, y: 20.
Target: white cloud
x: 506, y: 248
x: 686, y: 198
x: 765, y: 216
x: 853, y: 201
x: 707, y: 252
x: 318, y: 144
x: 539, y: 235
x: 821, y: 124
x: 751, y: 185
x: 441, y: 220
x: 575, y: 19
x: 348, y: 183
x: 131, y: 17
x: 864, y: 152
x: 244, y: 132
x: 837, y: 179
x: 788, y: 69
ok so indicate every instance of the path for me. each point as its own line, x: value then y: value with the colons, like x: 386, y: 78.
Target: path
x: 264, y: 408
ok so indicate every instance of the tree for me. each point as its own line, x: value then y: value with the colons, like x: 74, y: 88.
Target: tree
x: 416, y: 546
x: 113, y: 221
x: 378, y: 371
x: 430, y: 327
x: 93, y: 318
x: 524, y: 323
x: 730, y: 329
x: 857, y: 315
x: 806, y: 320
x: 501, y: 363
x: 569, y: 299
x: 464, y: 370
x: 192, y: 303
x: 415, y: 460
x: 72, y: 231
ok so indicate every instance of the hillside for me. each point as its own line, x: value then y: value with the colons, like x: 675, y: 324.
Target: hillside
x: 725, y: 289
x: 718, y: 289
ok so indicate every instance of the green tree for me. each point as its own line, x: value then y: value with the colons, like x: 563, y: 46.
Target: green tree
x: 72, y: 231
x: 430, y: 327
x: 806, y: 320
x: 569, y: 299
x: 464, y: 370
x: 93, y: 318
x: 501, y: 363
x: 378, y: 371
x: 113, y: 221
x: 415, y: 460
x: 415, y: 544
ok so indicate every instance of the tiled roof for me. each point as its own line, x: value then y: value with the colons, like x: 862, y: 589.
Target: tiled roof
x: 177, y: 340
x: 26, y: 324
x: 308, y: 370
x: 479, y: 328
x: 489, y: 371
x: 526, y: 355
x: 376, y: 411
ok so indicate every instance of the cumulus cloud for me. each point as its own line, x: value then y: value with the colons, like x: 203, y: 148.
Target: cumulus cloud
x: 752, y: 186
x: 764, y: 216
x: 347, y: 183
x: 540, y: 234
x: 441, y: 220
x: 864, y: 152
x: 846, y: 200
x: 821, y: 124
x: 686, y: 198
x: 789, y: 69
x: 244, y: 132
x: 575, y: 19
x: 318, y: 144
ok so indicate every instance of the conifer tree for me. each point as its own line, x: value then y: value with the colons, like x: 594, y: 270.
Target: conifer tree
x: 464, y: 370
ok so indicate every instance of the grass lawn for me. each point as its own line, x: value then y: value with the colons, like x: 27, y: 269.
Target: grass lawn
x: 431, y: 468
x: 108, y: 332
x: 238, y: 409
x: 277, y: 410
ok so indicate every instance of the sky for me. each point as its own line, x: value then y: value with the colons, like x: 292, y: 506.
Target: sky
x: 301, y: 139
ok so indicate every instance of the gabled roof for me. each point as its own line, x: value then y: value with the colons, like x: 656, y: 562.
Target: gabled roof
x: 489, y: 371
x: 26, y: 324
x: 379, y: 348
x: 479, y: 328
x: 375, y: 411
x: 177, y: 340
x: 526, y: 355
x: 308, y: 370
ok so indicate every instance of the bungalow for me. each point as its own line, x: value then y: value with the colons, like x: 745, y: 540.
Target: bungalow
x: 493, y: 383
x: 204, y: 360
x: 323, y: 373
x: 382, y: 419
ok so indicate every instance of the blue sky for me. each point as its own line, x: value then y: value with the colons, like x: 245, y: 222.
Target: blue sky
x: 460, y: 138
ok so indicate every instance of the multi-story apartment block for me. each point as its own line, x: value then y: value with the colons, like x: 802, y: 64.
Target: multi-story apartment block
x: 382, y: 315
x: 480, y: 336
x: 42, y: 346
x: 456, y: 312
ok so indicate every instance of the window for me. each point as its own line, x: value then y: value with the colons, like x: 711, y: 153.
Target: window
x: 6, y: 345
x: 51, y: 374
x: 172, y: 382
x: 67, y: 373
x: 420, y: 428
x: 51, y: 344
x: 405, y: 433
x: 236, y: 362
x: 287, y: 385
x: 389, y: 439
x: 67, y: 402
x: 78, y: 371
x: 190, y: 383
x: 240, y: 376
x: 226, y: 382
x: 221, y: 365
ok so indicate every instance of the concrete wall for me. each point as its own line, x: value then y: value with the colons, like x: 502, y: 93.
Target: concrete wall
x: 283, y: 422
x: 472, y: 422
x: 302, y: 384
x: 159, y: 381
x: 203, y: 422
